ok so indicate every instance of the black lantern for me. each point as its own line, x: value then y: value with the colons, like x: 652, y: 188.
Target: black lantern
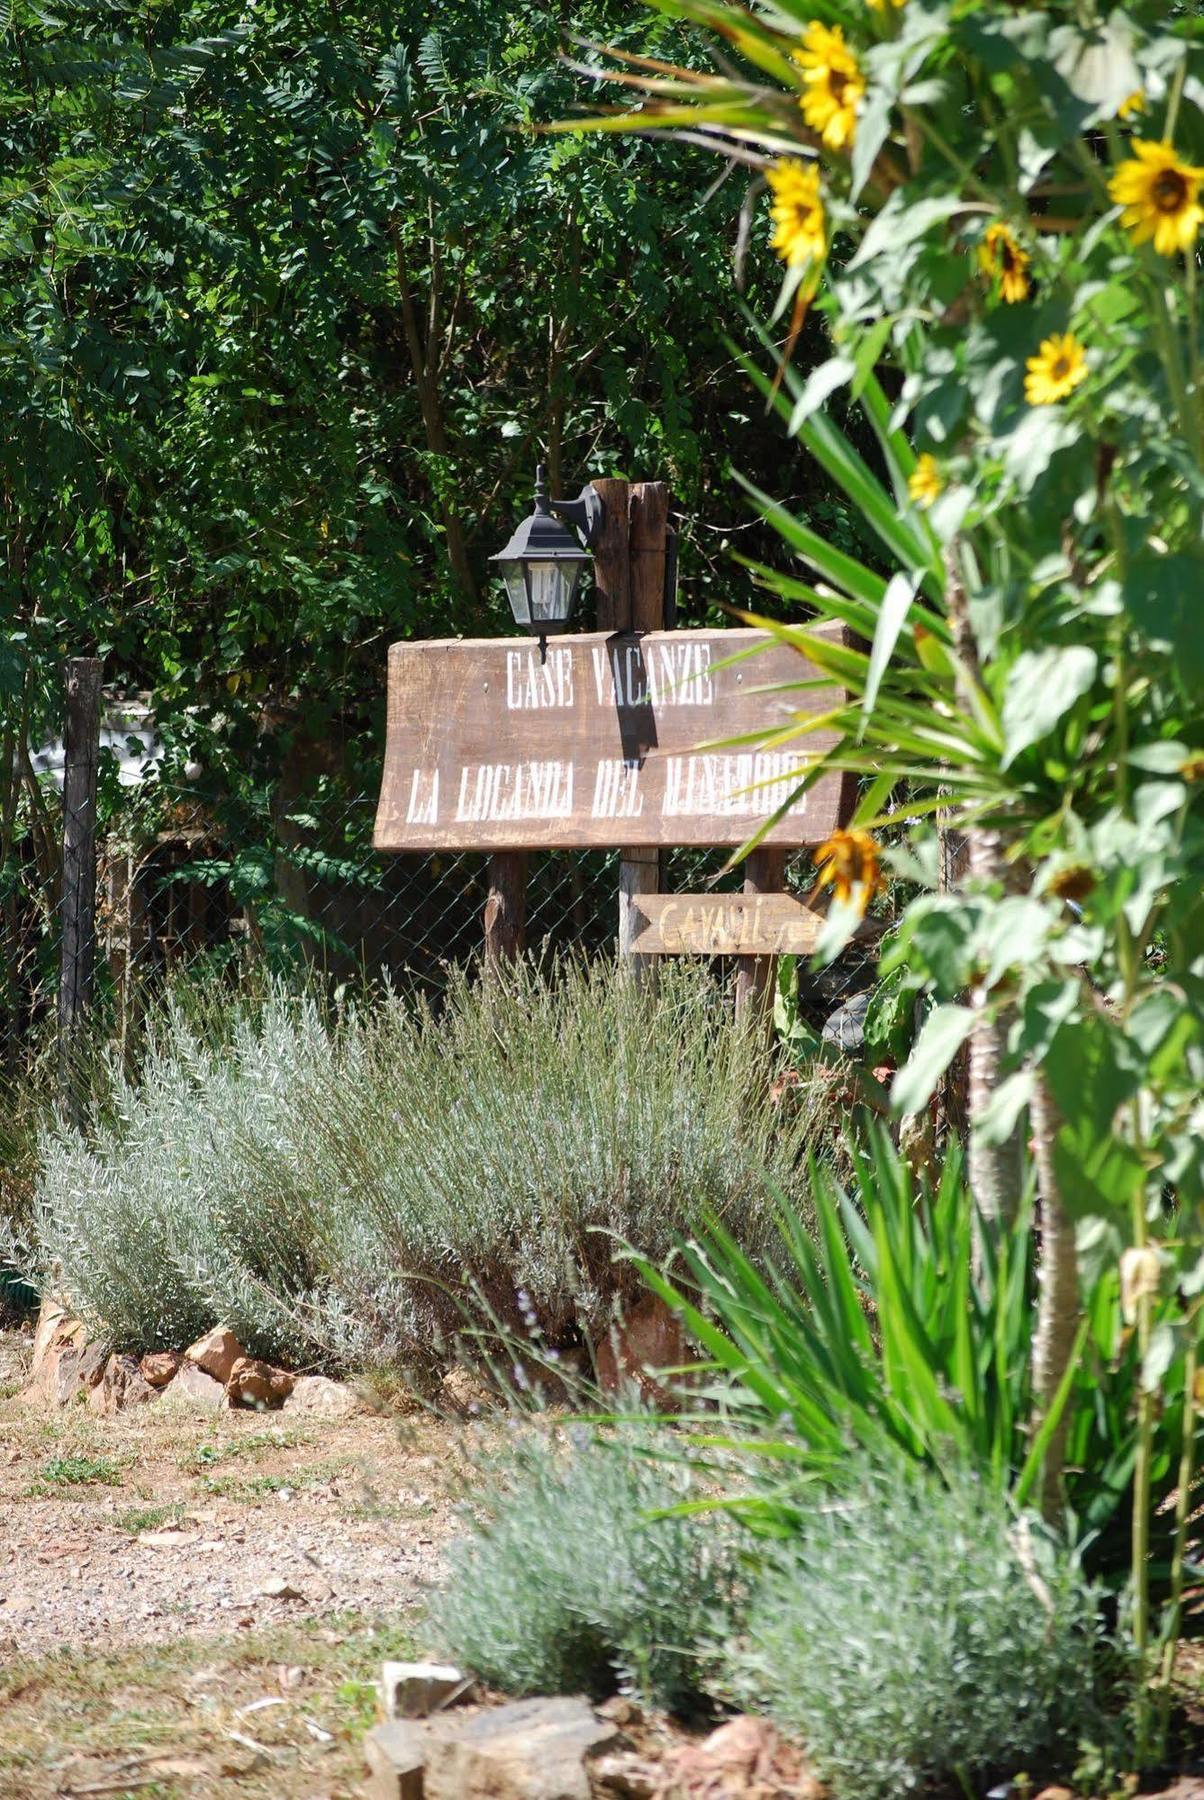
x: 543, y: 563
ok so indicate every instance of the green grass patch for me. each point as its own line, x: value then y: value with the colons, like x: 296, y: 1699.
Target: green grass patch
x: 80, y: 1471
x: 147, y: 1518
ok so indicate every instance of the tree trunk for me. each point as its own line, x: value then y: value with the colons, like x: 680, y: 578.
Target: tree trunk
x: 1057, y: 1296
x: 426, y: 383
x: 995, y: 1170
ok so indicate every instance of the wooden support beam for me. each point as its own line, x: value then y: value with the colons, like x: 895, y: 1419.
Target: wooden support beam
x: 612, y: 565
x: 648, y: 525
x: 629, y: 572
x: 764, y: 873
x: 506, y: 907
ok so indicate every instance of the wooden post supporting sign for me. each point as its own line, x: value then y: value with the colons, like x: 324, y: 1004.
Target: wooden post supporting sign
x: 764, y: 873
x: 641, y: 868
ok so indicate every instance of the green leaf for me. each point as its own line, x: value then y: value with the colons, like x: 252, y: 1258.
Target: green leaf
x: 899, y: 224
x: 944, y: 1032
x: 1001, y: 1115
x: 873, y: 124
x: 1162, y: 594
x: 822, y: 382
x: 1042, y: 687
x: 896, y: 603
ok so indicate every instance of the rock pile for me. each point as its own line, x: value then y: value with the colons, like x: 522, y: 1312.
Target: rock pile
x: 215, y: 1373
x: 563, y: 1749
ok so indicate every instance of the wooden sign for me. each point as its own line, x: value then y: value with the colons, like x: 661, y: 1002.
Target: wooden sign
x: 610, y: 740
x: 723, y: 925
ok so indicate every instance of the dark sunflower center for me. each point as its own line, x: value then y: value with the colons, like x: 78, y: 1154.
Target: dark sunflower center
x: 1007, y: 254
x: 837, y: 82
x: 1169, y: 190
x: 1059, y: 368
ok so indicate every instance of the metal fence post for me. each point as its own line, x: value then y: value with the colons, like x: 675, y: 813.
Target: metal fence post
x: 81, y: 742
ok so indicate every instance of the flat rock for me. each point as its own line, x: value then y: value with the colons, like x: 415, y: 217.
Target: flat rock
x: 528, y: 1750
x: 158, y: 1366
x: 254, y: 1383
x: 193, y: 1389
x: 121, y: 1386
x: 320, y: 1398
x: 216, y: 1353
x: 396, y: 1757
x: 414, y: 1690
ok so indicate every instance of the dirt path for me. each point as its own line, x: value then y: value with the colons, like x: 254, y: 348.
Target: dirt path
x: 162, y: 1547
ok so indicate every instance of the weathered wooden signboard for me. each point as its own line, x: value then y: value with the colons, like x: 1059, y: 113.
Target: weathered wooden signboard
x: 723, y: 925
x: 610, y: 740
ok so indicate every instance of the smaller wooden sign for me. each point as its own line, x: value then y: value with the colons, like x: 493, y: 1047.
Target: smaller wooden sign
x: 723, y: 925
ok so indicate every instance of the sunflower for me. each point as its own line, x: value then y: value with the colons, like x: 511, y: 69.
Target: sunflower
x: 799, y: 234
x: 1000, y: 255
x: 835, y: 84
x: 880, y: 6
x: 1131, y: 104
x: 925, y: 483
x: 848, y: 864
x: 1160, y: 197
x: 1056, y: 370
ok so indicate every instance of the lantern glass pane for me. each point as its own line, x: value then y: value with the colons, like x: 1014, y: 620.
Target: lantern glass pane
x: 550, y: 589
x: 516, y: 589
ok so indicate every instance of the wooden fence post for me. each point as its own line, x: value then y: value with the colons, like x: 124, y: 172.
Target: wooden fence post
x: 81, y: 743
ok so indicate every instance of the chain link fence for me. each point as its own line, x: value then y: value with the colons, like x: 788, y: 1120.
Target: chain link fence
x: 183, y: 886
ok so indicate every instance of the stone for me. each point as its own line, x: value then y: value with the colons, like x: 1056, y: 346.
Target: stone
x: 51, y: 1315
x: 396, y: 1757
x: 465, y: 1394
x: 193, y: 1389
x: 255, y: 1383
x: 277, y: 1588
x: 626, y: 1776
x: 216, y: 1353
x: 317, y: 1397
x: 121, y: 1386
x: 66, y: 1362
x: 528, y: 1750
x: 648, y: 1338
x: 745, y: 1759
x: 846, y: 1026
x: 158, y: 1366
x: 414, y: 1690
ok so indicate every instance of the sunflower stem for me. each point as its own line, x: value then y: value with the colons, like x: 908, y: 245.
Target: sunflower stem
x: 1187, y: 1469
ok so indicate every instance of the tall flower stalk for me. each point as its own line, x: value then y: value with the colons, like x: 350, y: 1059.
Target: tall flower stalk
x: 1006, y: 269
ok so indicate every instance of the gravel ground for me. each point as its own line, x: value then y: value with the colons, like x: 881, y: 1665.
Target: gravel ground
x: 157, y: 1524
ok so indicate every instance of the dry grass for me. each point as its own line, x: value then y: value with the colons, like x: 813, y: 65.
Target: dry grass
x: 185, y: 1719
x: 121, y: 1671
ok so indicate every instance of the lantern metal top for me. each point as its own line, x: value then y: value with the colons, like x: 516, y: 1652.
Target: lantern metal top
x: 541, y: 536
x: 544, y: 560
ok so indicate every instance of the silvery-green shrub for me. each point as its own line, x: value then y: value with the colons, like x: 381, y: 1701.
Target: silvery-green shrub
x: 915, y: 1629
x: 572, y: 1579
x: 339, y: 1188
